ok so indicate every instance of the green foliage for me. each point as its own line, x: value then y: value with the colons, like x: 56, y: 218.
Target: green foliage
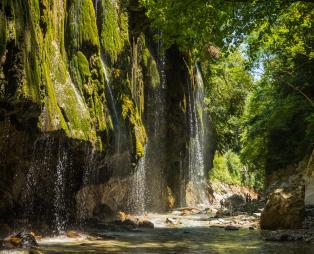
x: 229, y: 84
x: 229, y: 169
x: 279, y: 113
x: 190, y: 24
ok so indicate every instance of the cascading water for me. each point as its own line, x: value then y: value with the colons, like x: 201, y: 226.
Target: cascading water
x: 96, y: 7
x: 159, y: 93
x: 46, y: 169
x: 89, y: 176
x: 112, y: 103
x: 156, y: 112
x: 196, y: 167
x: 41, y: 157
x: 136, y: 200
x: 60, y: 214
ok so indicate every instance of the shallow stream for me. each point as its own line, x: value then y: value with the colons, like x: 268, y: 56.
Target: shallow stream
x: 191, y: 235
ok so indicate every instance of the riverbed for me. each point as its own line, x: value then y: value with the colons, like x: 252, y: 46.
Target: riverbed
x: 187, y: 234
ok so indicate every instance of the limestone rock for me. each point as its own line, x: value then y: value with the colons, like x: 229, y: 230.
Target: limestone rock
x: 284, y: 208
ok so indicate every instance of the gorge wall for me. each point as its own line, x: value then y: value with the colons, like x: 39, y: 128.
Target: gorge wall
x: 94, y: 115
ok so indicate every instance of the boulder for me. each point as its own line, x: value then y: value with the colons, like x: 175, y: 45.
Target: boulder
x: 133, y: 223
x: 284, y: 208
x: 146, y: 224
x: 20, y: 240
x: 234, y: 200
x: 73, y: 234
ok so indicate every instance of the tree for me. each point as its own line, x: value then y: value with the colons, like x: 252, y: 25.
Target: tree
x: 228, y: 85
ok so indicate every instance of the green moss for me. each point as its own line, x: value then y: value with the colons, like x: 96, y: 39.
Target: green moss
x: 31, y: 87
x: 61, y: 69
x: 83, y: 64
x: 51, y: 118
x: 3, y: 33
x: 79, y: 67
x: 152, y: 72
x: 68, y: 97
x: 82, y: 28
x: 138, y: 133
x: 146, y: 56
x: 150, y: 65
x: 114, y: 28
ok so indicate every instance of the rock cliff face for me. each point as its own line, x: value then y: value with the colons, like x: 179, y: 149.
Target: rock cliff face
x: 290, y: 191
x: 85, y: 92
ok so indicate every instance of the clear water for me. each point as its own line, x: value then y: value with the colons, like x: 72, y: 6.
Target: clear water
x: 191, y: 236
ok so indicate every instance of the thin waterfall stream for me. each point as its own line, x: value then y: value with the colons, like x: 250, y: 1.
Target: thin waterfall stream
x: 63, y: 163
x: 196, y: 166
x: 136, y: 201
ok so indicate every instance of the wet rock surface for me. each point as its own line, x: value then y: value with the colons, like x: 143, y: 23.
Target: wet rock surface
x: 20, y: 240
x: 284, y: 209
x: 185, y: 230
x: 189, y: 233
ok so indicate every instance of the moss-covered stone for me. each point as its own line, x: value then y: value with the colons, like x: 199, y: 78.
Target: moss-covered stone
x: 81, y: 25
x: 138, y: 133
x: 151, y: 68
x: 114, y: 28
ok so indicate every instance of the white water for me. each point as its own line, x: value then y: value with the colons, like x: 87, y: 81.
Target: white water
x: 60, y: 214
x: 156, y: 129
x: 96, y: 8
x: 159, y: 96
x: 136, y: 200
x: 196, y: 165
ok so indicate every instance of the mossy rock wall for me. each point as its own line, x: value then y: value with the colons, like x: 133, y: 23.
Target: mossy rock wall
x: 51, y: 56
x: 53, y: 86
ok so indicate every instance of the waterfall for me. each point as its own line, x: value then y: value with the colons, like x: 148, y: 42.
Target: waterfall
x: 159, y: 93
x: 60, y: 214
x: 96, y: 8
x: 47, y: 177
x: 196, y: 165
x: 41, y: 157
x: 89, y: 176
x: 111, y: 98
x: 112, y: 104
x: 155, y: 112
x: 136, y: 200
